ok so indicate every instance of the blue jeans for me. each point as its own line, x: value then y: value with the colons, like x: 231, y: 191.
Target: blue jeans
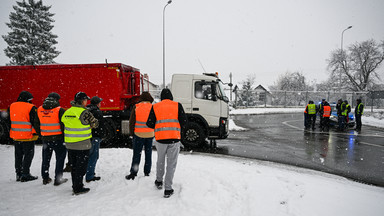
x: 60, y: 152
x: 138, y: 144
x: 93, y: 157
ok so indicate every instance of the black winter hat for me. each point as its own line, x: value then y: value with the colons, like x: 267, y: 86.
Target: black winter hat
x: 166, y: 94
x: 96, y: 100
x: 81, y: 96
x: 25, y: 96
x: 54, y: 95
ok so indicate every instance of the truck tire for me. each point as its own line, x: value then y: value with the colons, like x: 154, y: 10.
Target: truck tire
x: 4, y: 133
x: 110, y: 135
x: 193, y: 135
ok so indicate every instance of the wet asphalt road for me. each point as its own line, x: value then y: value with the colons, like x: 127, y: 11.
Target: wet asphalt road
x: 281, y: 138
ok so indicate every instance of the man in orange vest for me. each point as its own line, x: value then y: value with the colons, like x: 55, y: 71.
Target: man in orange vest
x: 25, y: 128
x: 142, y: 135
x: 327, y: 110
x: 52, y: 128
x: 167, y: 118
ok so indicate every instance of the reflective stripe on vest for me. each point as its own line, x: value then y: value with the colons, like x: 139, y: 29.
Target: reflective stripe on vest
x: 327, y: 111
x: 311, y: 109
x: 360, y: 111
x: 345, y: 112
x: 167, y: 124
x: 21, y: 127
x: 74, y: 130
x: 49, y: 121
x: 142, y: 112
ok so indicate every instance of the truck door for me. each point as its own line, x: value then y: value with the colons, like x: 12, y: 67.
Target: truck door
x: 205, y: 101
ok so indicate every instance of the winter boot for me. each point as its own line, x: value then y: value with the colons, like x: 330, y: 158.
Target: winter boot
x: 168, y: 193
x: 47, y: 181
x: 60, y: 181
x: 159, y: 185
x: 28, y: 178
x: 130, y: 176
x: 81, y: 191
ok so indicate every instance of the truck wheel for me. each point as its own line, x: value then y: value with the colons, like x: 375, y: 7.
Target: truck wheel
x: 193, y: 135
x: 110, y: 128
x: 4, y: 133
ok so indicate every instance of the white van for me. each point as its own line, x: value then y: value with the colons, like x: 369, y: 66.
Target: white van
x: 205, y: 105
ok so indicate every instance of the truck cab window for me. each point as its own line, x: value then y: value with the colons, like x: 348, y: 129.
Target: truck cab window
x: 205, y: 90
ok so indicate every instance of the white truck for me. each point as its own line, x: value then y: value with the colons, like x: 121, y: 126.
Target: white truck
x: 205, y: 105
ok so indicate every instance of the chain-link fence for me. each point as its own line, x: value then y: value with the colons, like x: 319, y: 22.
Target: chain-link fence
x: 264, y: 98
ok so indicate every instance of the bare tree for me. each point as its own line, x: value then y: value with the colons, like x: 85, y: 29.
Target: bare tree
x: 358, y: 65
x: 291, y: 81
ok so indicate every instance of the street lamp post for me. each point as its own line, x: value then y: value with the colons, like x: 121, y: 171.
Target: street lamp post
x: 342, y: 55
x: 169, y: 2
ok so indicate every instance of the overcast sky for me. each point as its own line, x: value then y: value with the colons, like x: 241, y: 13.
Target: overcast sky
x: 261, y: 37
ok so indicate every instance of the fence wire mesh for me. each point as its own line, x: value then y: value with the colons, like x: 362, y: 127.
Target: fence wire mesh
x: 257, y: 98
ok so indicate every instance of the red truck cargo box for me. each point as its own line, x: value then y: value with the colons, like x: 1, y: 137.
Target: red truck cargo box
x: 119, y: 85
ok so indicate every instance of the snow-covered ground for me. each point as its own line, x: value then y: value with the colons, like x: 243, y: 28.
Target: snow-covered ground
x: 204, y: 185
x: 375, y: 118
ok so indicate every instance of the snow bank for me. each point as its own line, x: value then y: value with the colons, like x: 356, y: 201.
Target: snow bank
x: 204, y: 185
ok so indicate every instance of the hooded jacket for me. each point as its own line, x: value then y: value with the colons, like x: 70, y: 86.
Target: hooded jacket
x: 166, y: 94
x: 51, y: 103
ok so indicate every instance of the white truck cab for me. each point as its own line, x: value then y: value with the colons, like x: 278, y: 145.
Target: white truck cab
x: 205, y: 105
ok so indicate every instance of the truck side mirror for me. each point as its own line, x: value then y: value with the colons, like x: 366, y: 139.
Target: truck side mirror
x: 225, y: 99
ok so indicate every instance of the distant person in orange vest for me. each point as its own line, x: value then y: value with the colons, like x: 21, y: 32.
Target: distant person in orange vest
x: 142, y: 135
x: 167, y: 118
x: 327, y: 110
x: 52, y: 136
x: 25, y: 130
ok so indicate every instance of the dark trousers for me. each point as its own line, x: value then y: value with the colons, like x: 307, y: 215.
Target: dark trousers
x: 93, y: 157
x: 358, y: 122
x: 138, y: 144
x: 326, y: 123
x: 24, y: 152
x: 78, y: 159
x: 60, y: 152
x: 311, y: 120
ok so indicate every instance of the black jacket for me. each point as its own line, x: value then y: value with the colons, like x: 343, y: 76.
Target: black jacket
x: 100, y: 131
x: 151, y: 122
x: 51, y: 103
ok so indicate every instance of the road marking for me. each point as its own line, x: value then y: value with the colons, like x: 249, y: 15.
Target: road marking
x: 286, y: 123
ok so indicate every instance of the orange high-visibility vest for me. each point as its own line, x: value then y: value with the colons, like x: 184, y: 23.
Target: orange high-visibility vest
x: 327, y: 111
x: 167, y: 123
x: 21, y: 126
x: 49, y: 121
x: 142, y: 112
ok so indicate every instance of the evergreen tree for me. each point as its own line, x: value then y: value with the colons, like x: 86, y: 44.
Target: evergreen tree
x: 30, y: 41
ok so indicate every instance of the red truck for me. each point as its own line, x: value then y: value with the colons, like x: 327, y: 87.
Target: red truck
x: 119, y: 85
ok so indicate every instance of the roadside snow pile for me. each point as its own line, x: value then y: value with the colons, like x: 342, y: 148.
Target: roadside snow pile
x: 375, y: 119
x: 234, y: 127
x: 204, y: 185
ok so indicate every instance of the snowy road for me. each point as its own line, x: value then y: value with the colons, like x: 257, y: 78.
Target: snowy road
x: 281, y: 138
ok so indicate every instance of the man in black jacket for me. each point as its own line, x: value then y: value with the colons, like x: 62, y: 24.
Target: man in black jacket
x: 167, y: 118
x: 97, y: 135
